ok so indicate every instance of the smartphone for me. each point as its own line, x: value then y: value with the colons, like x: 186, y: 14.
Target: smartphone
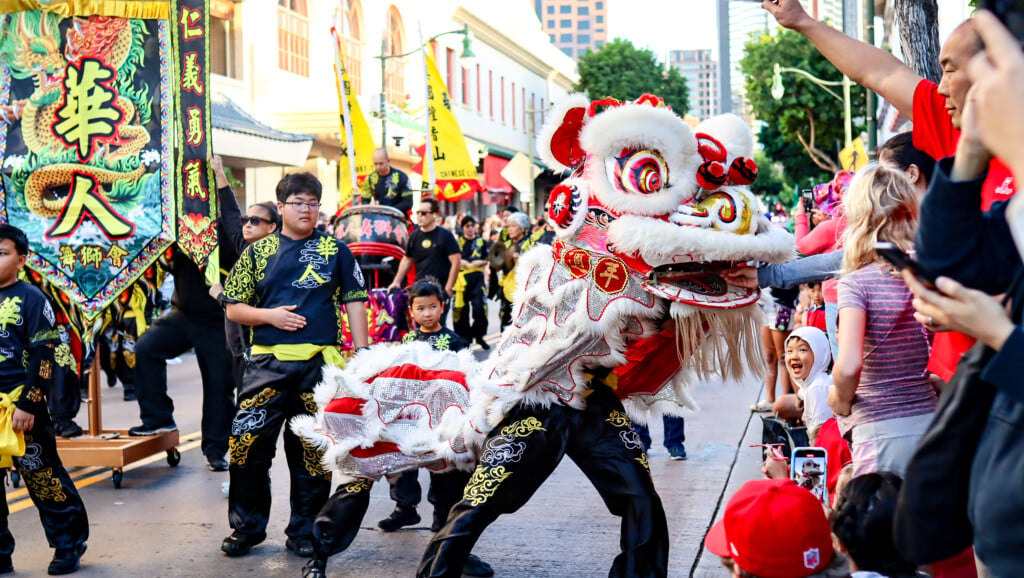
x: 1010, y: 13
x: 809, y: 469
x: 900, y: 260
x: 807, y: 198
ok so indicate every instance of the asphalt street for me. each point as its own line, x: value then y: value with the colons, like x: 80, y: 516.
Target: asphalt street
x: 169, y: 521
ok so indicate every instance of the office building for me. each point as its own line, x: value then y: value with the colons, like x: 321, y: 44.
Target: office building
x: 574, y: 26
x: 701, y: 73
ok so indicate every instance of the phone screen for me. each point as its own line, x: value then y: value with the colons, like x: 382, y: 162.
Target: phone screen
x: 809, y: 469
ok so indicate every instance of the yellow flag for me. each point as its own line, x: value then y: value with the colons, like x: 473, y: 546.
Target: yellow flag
x: 353, y: 130
x: 454, y: 173
x: 853, y: 157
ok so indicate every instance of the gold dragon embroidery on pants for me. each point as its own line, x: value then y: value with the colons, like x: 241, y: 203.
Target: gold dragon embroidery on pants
x: 42, y: 485
x: 484, y: 483
x: 259, y: 399
x: 238, y: 448
x: 619, y: 419
x: 309, y: 402
x: 312, y: 458
x: 522, y: 428
x: 643, y: 462
x: 357, y: 486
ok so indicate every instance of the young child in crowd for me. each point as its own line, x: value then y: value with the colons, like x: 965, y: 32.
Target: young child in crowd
x: 816, y: 310
x: 801, y: 542
x: 807, y: 359
x: 27, y: 342
x: 881, y: 390
x: 426, y: 305
x: 862, y: 523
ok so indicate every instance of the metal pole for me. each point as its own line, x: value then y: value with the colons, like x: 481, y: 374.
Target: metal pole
x: 383, y: 94
x: 872, y: 104
x: 428, y: 150
x: 847, y: 113
x: 339, y: 71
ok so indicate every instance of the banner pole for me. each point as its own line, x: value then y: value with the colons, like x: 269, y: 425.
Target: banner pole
x: 339, y: 71
x: 429, y: 148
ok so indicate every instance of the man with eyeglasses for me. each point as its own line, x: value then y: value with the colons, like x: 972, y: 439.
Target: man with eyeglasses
x: 387, y: 185
x: 196, y: 321
x: 289, y: 288
x: 436, y: 254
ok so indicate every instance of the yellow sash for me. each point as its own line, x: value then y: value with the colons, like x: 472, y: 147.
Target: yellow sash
x: 12, y: 443
x: 301, y: 352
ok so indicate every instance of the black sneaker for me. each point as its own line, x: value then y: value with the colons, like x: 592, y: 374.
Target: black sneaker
x: 482, y: 343
x: 6, y: 565
x: 66, y: 561
x: 67, y: 429
x: 239, y: 543
x: 677, y: 453
x: 400, y: 518
x: 216, y: 463
x: 144, y: 430
x: 438, y: 522
x: 315, y: 568
x: 474, y: 566
x: 301, y: 547
x: 129, y: 395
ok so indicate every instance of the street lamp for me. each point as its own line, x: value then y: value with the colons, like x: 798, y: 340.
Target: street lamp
x: 466, y: 59
x: 778, y: 90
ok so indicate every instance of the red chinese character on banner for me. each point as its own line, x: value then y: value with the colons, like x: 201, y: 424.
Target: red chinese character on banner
x: 192, y: 74
x: 189, y: 21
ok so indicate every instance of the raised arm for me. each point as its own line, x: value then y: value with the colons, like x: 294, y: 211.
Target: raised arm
x: 868, y: 66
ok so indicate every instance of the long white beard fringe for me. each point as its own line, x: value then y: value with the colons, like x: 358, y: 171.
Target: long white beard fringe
x: 726, y: 344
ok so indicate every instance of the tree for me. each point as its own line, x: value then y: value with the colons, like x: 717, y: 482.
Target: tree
x: 803, y: 130
x: 919, y: 35
x: 771, y: 184
x: 623, y: 71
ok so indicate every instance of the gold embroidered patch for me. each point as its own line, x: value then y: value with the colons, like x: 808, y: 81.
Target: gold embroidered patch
x: 522, y: 428
x: 619, y: 419
x: 309, y: 402
x: 357, y: 486
x: 259, y: 399
x: 238, y: 448
x: 643, y: 462
x: 484, y: 483
x: 43, y: 485
x: 45, y: 369
x: 312, y: 458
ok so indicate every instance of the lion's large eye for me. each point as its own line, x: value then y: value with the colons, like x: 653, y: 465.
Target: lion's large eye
x: 640, y: 172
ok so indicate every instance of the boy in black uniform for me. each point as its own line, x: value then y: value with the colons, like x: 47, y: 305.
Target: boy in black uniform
x: 28, y: 338
x: 289, y: 286
x: 474, y: 257
x: 339, y: 520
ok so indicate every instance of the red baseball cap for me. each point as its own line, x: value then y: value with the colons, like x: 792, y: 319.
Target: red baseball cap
x: 773, y: 529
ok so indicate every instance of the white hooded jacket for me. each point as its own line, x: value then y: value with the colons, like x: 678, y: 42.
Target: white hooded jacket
x: 814, y: 389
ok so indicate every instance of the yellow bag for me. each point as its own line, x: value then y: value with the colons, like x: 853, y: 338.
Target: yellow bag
x: 12, y: 443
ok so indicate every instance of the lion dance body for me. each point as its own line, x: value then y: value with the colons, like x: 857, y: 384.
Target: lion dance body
x: 615, y: 319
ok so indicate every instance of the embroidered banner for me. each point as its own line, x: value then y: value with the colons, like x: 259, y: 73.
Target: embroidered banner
x: 195, y: 194
x: 85, y: 144
x: 454, y: 173
x: 356, y: 159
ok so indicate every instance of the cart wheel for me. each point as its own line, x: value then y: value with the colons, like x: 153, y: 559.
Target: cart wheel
x: 15, y: 478
x: 117, y: 475
x: 173, y: 457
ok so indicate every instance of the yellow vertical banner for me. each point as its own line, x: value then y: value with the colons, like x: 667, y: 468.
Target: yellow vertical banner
x: 454, y: 173
x: 356, y: 141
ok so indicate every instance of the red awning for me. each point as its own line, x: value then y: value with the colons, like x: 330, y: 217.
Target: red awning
x: 493, y: 181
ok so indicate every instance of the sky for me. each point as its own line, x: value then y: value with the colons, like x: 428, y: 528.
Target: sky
x: 663, y: 25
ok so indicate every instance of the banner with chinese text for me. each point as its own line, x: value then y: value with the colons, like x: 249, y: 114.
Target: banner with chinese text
x: 455, y: 175
x: 356, y: 159
x: 85, y: 125
x: 196, y: 194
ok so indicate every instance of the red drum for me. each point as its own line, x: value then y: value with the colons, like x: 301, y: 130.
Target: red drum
x: 376, y: 235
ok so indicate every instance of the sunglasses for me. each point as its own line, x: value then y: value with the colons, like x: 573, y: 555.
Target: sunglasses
x: 424, y: 212
x: 254, y: 221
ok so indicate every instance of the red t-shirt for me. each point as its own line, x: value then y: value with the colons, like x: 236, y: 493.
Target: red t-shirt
x: 816, y: 318
x: 935, y: 135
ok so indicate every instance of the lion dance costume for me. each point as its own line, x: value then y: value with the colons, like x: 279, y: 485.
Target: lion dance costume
x: 615, y: 319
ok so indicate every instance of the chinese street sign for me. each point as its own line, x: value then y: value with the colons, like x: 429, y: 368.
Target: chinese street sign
x: 85, y: 124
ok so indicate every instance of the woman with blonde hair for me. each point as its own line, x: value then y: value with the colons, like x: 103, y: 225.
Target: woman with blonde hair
x: 881, y: 390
